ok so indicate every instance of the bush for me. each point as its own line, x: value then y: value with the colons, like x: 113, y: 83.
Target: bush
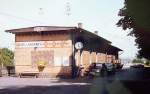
x: 138, y: 61
x: 147, y: 63
x: 41, y: 65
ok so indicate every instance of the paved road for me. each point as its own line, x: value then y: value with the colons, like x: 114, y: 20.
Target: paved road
x: 129, y: 81
x: 133, y: 74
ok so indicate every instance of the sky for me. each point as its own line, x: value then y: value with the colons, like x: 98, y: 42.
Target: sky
x: 96, y: 15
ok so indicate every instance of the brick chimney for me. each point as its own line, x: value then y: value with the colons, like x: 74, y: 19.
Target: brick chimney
x: 80, y: 25
x: 96, y: 32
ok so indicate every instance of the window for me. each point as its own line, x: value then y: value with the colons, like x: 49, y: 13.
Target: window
x: 57, y: 61
x: 61, y: 61
x: 65, y: 61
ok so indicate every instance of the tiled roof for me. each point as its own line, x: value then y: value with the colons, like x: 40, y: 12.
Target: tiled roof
x: 40, y: 29
x: 62, y: 28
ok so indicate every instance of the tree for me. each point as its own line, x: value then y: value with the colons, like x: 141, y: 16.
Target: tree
x: 138, y: 61
x: 147, y: 63
x: 6, y: 57
x: 135, y: 16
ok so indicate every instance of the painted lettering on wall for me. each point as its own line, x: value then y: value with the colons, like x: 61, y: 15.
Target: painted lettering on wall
x: 45, y: 44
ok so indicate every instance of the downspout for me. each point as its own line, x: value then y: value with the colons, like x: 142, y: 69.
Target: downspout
x: 73, y: 65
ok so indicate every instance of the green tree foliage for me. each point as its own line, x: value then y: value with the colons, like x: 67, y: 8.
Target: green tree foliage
x: 135, y: 15
x: 6, y: 57
x: 138, y: 61
x: 147, y: 63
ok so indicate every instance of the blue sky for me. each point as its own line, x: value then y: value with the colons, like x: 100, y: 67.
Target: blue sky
x: 96, y: 15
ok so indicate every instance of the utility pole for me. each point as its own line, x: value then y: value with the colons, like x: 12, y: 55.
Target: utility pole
x: 40, y: 14
x: 68, y: 12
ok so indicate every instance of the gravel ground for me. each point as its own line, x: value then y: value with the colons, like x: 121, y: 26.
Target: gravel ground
x: 14, y: 85
x: 129, y: 81
x: 6, y: 82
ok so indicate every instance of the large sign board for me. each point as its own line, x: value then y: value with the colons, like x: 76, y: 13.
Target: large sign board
x: 45, y: 44
x: 47, y: 56
x: 38, y: 29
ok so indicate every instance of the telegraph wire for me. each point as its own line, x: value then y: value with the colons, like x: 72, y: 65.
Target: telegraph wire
x: 20, y: 18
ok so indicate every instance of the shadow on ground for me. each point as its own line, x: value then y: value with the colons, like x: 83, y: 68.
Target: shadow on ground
x: 61, y: 89
x: 99, y: 86
x: 103, y: 86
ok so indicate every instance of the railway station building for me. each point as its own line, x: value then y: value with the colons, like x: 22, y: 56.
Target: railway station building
x: 63, y: 48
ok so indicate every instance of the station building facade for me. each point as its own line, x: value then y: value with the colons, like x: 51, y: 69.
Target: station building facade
x: 56, y: 45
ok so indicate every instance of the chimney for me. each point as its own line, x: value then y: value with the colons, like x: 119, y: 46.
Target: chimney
x: 80, y: 25
x: 96, y: 32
